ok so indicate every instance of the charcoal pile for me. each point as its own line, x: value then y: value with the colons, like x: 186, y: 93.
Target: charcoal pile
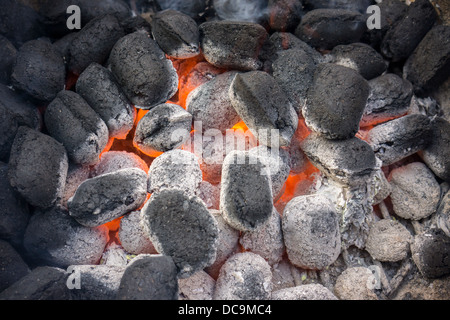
x: 224, y: 150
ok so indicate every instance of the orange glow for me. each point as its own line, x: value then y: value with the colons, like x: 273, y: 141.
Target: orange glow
x: 107, y: 147
x: 140, y: 114
x: 240, y: 125
x: 113, y: 225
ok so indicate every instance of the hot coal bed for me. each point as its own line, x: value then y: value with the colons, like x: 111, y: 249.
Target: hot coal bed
x: 215, y: 150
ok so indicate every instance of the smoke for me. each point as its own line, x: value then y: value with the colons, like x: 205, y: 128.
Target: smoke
x: 241, y: 10
x: 189, y: 7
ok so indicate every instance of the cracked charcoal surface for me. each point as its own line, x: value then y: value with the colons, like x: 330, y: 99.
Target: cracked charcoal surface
x: 100, y: 90
x: 181, y: 227
x: 109, y: 196
x: 70, y: 120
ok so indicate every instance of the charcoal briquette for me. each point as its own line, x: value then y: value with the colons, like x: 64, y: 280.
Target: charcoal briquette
x: 8, y: 129
x: 285, y: 15
x: 76, y: 175
x: 199, y: 286
x: 8, y: 52
x: 132, y: 235
x: 12, y: 265
x: 115, y: 160
x: 356, y: 283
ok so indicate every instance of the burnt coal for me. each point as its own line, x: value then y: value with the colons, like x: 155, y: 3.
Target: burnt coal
x: 149, y: 277
x: 109, y: 196
x: 54, y: 238
x: 176, y: 33
x: 326, y: 28
x: 12, y: 266
x: 37, y: 167
x: 143, y: 72
x: 404, y: 36
x: 188, y: 232
x: 336, y: 101
x: 8, y: 53
x: 39, y: 71
x: 163, y: 128
x: 133, y: 237
x: 232, y: 45
x: 285, y: 15
x: 99, y: 88
x: 70, y: 120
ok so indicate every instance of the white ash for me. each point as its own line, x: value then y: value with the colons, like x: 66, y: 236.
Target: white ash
x: 114, y: 255
x: 356, y: 283
x: 199, y: 286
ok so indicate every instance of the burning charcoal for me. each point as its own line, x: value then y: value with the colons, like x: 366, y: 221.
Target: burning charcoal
x: 297, y: 158
x: 54, y: 238
x: 199, y: 286
x: 266, y: 241
x: 210, y: 194
x: 360, y: 6
x: 388, y: 240
x: 143, y: 72
x: 12, y: 266
x: 76, y: 175
x: 336, y: 101
x: 109, y: 196
x: 39, y: 71
x: 356, y: 283
x: 278, y: 163
x: 176, y: 169
x: 232, y: 44
x: 311, y: 232
x: 42, y: 283
x: 98, y: 282
x: 443, y: 214
x: 149, y: 277
x: 192, y: 8
x: 63, y: 44
x: 8, y: 53
x: 245, y: 276
x: 8, y: 130
x: 210, y: 103
x: 327, y: 28
x: 415, y: 192
x: 163, y: 128
x: 70, y: 120
x: 115, y: 160
x: 360, y: 57
x: 99, y: 88
x: 181, y: 227
x: 429, y: 64
x: 246, y: 191
x: 94, y: 42
x: 14, y: 211
x: 176, y: 33
x: 285, y: 15
x: 403, y: 37
x: 390, y: 97
x: 431, y: 253
x: 37, y: 167
x: 397, y: 139
x: 264, y: 107
x: 132, y: 235
x: 304, y: 292
x: 294, y: 71
x: 437, y: 154
x: 346, y: 161
x: 227, y: 244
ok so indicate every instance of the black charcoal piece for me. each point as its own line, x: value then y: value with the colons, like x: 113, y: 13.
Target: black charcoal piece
x: 181, y: 227
x: 116, y: 160
x: 437, y: 154
x: 8, y: 53
x: 176, y: 33
x: 285, y: 15
x: 100, y: 90
x: 175, y: 169
x: 390, y: 97
x: 415, y: 192
x: 132, y: 235
x: 70, y: 120
x: 163, y: 128
x: 429, y: 64
x: 63, y: 44
x: 313, y: 291
x: 94, y: 42
x: 142, y: 70
x: 346, y: 161
x: 264, y: 107
x: 12, y: 266
x: 431, y: 253
x: 336, y: 101
x: 311, y: 232
x: 8, y: 129
x: 55, y: 239
x: 294, y: 71
x: 361, y: 57
x: 244, y: 276
x: 149, y: 277
x: 360, y: 6
x: 109, y: 196
x: 37, y: 167
x: 404, y: 36
x: 39, y: 71
x: 210, y: 103
x: 327, y: 28
x: 42, y: 283
x: 232, y: 44
x: 246, y: 191
x: 397, y: 139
